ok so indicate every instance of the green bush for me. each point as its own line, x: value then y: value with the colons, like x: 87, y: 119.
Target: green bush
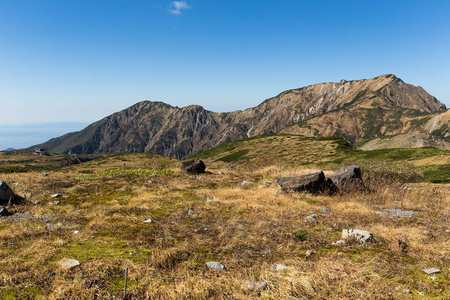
x: 300, y: 235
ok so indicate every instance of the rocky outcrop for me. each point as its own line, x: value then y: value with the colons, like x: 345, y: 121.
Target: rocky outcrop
x: 345, y: 176
x: 313, y: 183
x: 192, y: 166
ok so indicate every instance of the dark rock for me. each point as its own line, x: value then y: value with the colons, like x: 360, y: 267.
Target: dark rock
x: 313, y: 183
x: 344, y: 176
x: 192, y: 166
x: 3, y: 211
x: 6, y: 193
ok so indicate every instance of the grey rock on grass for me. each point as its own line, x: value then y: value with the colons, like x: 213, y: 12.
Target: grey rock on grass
x: 215, y: 266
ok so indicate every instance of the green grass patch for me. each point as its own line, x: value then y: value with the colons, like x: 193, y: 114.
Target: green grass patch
x: 234, y: 157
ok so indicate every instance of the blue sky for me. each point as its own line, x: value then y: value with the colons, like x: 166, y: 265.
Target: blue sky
x: 79, y: 60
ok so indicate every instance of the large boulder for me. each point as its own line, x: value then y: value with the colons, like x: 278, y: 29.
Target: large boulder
x: 345, y: 175
x: 192, y: 166
x: 313, y: 183
x: 362, y: 236
x: 6, y: 193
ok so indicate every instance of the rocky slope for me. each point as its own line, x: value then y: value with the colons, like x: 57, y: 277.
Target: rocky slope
x: 179, y: 132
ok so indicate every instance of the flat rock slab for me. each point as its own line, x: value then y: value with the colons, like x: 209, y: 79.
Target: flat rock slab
x: 431, y: 271
x: 69, y: 264
x: 313, y: 183
x: 279, y: 267
x: 215, y: 265
x: 397, y: 212
x: 255, y: 285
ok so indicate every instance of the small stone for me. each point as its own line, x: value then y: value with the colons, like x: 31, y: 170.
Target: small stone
x: 432, y: 278
x: 279, y: 267
x: 406, y: 291
x: 255, y: 285
x: 219, y: 173
x: 215, y: 266
x: 309, y: 253
x: 208, y: 200
x: 244, y: 183
x: 44, y: 174
x: 150, y: 181
x: 325, y: 209
x: 51, y: 274
x: 339, y: 243
x: 447, y: 230
x: 398, y: 246
x: 311, y: 219
x: 148, y: 221
x: 3, y: 211
x: 431, y: 271
x: 70, y: 264
x: 153, y: 175
x: 56, y: 203
x: 261, y: 186
x: 76, y: 232
x: 56, y: 195
x: 190, y: 212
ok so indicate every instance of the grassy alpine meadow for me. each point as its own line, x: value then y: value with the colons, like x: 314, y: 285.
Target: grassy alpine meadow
x: 234, y: 214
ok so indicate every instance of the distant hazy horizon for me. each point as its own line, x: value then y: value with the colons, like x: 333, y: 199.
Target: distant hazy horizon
x: 20, y: 136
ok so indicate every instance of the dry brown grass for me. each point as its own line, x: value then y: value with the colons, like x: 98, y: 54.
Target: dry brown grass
x: 248, y: 228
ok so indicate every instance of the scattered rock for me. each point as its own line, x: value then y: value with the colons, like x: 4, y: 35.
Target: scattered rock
x: 431, y: 271
x: 44, y: 174
x: 345, y: 175
x: 51, y: 274
x: 309, y: 253
x: 6, y: 193
x: 244, y: 183
x: 361, y: 236
x: 279, y: 267
x: 219, y: 173
x: 324, y: 209
x: 76, y: 232
x: 3, y: 211
x: 256, y: 285
x: 398, y: 246
x: 192, y: 166
x: 339, y: 243
x: 148, y: 221
x: 215, y: 266
x: 313, y: 183
x: 311, y: 219
x: 397, y: 212
x: 190, y: 212
x: 69, y: 264
x: 56, y: 203
x: 56, y: 195
x: 153, y: 175
x: 209, y: 200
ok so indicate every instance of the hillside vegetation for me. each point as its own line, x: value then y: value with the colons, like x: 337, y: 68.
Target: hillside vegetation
x: 238, y: 217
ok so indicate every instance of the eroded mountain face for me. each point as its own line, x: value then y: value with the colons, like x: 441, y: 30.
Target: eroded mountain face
x: 321, y: 109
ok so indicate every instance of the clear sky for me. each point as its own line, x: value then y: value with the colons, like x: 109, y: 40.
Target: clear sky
x: 81, y: 60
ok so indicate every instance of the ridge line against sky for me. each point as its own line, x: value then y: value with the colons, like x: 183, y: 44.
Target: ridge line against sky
x: 82, y: 60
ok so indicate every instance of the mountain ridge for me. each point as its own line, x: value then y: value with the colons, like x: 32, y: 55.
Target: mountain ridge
x: 160, y: 128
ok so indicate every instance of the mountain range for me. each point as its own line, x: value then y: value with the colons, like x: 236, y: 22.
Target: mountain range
x: 358, y: 110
